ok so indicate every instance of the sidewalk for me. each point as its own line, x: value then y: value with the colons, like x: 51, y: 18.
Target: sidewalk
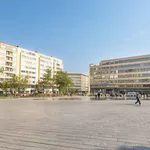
x: 85, y: 98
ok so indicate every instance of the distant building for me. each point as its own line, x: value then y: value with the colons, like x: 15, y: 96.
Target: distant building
x: 80, y: 81
x: 121, y: 75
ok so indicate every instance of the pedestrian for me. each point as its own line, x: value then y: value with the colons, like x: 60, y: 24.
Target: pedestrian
x: 98, y: 95
x: 138, y: 99
x: 95, y: 96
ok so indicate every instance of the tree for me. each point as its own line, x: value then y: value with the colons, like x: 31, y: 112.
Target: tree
x: 63, y: 81
x: 15, y: 83
x: 1, y: 70
x: 4, y: 85
x: 47, y: 81
x: 37, y: 86
x: 24, y: 82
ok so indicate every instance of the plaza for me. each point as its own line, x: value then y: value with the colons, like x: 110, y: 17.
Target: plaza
x: 27, y: 124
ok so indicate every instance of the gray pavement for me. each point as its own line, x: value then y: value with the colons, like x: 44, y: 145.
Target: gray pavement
x: 74, y: 125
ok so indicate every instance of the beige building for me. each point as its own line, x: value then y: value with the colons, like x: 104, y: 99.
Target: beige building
x: 121, y: 75
x: 50, y: 62
x: 80, y: 81
x: 15, y: 60
x: 8, y: 61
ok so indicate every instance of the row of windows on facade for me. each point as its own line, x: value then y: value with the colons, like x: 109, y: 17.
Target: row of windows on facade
x: 23, y: 71
x: 7, y: 58
x: 127, y: 66
x: 9, y: 69
x: 28, y: 53
x: 27, y: 67
x: 10, y: 53
x: 4, y: 52
x: 28, y: 63
x: 121, y: 76
x: 28, y: 58
x: 6, y: 74
x: 45, y: 57
x: 122, y: 71
x: 10, y: 58
x: 2, y: 79
x: 45, y: 65
x: 45, y: 62
x: 8, y: 47
x: 121, y: 66
x: 126, y: 61
x: 121, y: 86
x: 105, y: 82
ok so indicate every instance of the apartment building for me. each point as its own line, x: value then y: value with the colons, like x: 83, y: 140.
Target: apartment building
x: 15, y: 60
x: 45, y: 62
x: 50, y: 62
x: 80, y: 81
x: 121, y: 75
x: 8, y: 61
x: 28, y: 65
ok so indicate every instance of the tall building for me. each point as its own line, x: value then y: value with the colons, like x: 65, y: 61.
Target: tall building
x: 50, y: 62
x: 15, y: 60
x: 45, y: 62
x: 80, y: 81
x: 8, y: 61
x: 121, y: 75
x: 28, y: 65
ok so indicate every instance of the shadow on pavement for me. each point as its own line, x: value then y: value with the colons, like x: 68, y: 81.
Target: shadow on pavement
x: 133, y: 148
x: 129, y: 148
x: 131, y: 104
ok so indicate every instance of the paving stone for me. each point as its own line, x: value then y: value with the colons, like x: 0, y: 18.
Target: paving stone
x: 74, y: 125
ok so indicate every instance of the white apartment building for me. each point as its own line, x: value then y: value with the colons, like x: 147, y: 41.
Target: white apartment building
x: 57, y: 65
x: 8, y: 61
x: 50, y: 62
x: 45, y: 62
x: 15, y: 60
x: 29, y: 65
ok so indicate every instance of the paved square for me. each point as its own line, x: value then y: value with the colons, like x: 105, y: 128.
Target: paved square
x: 74, y: 125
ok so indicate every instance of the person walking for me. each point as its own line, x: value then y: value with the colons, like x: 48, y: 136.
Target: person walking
x: 95, y: 96
x: 138, y: 99
x: 98, y: 95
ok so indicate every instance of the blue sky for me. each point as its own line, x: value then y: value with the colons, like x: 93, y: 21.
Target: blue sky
x: 78, y: 31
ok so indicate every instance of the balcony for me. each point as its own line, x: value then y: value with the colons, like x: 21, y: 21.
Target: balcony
x: 8, y: 69
x: 9, y: 64
x: 9, y: 59
x: 9, y: 54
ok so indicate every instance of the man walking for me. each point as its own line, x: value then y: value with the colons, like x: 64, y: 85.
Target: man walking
x: 95, y: 96
x: 98, y: 95
x: 138, y: 99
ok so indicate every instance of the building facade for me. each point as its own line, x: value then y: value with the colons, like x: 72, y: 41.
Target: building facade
x: 121, y: 75
x: 28, y: 65
x: 15, y: 60
x: 80, y: 81
x: 8, y: 61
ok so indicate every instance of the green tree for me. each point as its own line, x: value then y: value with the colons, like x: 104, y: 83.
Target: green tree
x: 17, y: 83
x: 38, y: 86
x: 4, y: 85
x: 47, y: 81
x: 24, y: 81
x: 1, y: 70
x: 62, y: 81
